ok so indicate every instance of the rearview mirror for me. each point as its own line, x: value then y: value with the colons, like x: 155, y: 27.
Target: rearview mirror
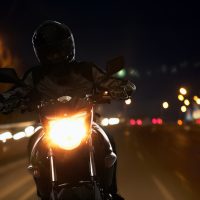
x: 115, y: 65
x: 9, y: 75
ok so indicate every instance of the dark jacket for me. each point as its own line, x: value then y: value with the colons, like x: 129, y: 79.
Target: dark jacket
x: 78, y: 79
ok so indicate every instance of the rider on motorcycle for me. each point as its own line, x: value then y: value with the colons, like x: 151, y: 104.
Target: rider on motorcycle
x: 60, y: 74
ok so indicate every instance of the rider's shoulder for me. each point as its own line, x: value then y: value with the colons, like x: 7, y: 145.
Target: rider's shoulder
x: 84, y: 64
x: 87, y: 67
x: 34, y: 74
x: 32, y: 70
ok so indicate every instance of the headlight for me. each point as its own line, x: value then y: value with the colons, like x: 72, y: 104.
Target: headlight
x: 68, y: 133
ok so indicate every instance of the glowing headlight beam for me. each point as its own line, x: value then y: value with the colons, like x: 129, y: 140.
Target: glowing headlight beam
x: 67, y: 133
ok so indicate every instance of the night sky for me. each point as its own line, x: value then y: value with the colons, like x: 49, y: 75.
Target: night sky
x: 160, y: 41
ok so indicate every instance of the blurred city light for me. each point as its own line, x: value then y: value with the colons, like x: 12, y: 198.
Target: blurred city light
x: 198, y: 121
x: 180, y: 122
x: 132, y: 122
x: 198, y: 101
x: 160, y: 121
x: 139, y: 122
x: 121, y: 73
x: 105, y: 122
x: 154, y: 121
x: 165, y: 105
x: 105, y: 93
x: 157, y: 121
x: 195, y: 98
x: 30, y: 130
x: 19, y: 135
x: 196, y: 114
x: 113, y: 121
x: 134, y: 73
x: 180, y: 97
x: 110, y: 121
x: 187, y: 102
x: 183, y: 91
x: 128, y: 101
x: 5, y: 136
x: 183, y: 108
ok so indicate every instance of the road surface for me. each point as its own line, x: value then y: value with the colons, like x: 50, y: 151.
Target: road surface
x: 154, y: 163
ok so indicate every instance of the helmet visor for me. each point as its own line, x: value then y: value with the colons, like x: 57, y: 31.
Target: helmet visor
x: 56, y: 52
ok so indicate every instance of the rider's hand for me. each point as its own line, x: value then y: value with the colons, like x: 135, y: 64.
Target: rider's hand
x: 123, y: 91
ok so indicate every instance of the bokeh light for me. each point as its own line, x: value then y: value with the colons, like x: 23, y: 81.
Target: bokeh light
x: 180, y: 122
x: 183, y: 109
x: 183, y: 91
x: 187, y: 102
x: 180, y: 97
x: 198, y: 101
x: 132, y: 122
x: 165, y: 105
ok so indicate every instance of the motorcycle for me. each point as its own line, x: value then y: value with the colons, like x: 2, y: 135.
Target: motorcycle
x: 66, y: 155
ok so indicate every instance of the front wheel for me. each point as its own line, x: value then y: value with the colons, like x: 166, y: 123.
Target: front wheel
x: 85, y: 192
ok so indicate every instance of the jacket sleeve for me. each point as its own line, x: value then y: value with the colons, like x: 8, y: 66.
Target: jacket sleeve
x: 118, y: 88
x: 12, y: 98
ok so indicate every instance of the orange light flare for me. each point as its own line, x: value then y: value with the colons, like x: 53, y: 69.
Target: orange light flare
x: 180, y: 122
x: 6, y: 57
x: 68, y: 133
x: 7, y: 60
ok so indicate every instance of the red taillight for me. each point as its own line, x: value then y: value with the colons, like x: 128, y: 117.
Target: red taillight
x: 139, y: 122
x: 132, y: 122
x: 154, y: 121
x: 157, y: 121
x: 160, y: 121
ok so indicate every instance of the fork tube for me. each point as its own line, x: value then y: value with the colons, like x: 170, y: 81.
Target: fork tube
x: 52, y: 167
x: 92, y: 162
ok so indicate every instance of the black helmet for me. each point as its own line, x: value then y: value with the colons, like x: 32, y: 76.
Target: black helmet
x: 53, y: 43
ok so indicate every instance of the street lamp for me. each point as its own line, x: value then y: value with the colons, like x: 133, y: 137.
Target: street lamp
x: 165, y: 105
x: 183, y: 91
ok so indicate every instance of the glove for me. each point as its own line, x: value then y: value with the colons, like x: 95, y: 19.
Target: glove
x: 129, y: 88
x: 124, y: 91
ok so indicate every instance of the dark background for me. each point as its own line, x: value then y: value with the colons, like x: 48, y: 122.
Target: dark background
x: 160, y: 41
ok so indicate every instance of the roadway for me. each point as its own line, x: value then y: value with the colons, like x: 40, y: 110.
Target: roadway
x: 159, y: 163
x: 154, y: 163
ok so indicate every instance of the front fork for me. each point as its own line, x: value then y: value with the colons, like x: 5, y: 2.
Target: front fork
x: 53, y: 175
x: 92, y: 161
x: 96, y: 190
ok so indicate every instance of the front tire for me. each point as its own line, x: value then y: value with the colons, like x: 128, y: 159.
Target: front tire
x: 85, y: 192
